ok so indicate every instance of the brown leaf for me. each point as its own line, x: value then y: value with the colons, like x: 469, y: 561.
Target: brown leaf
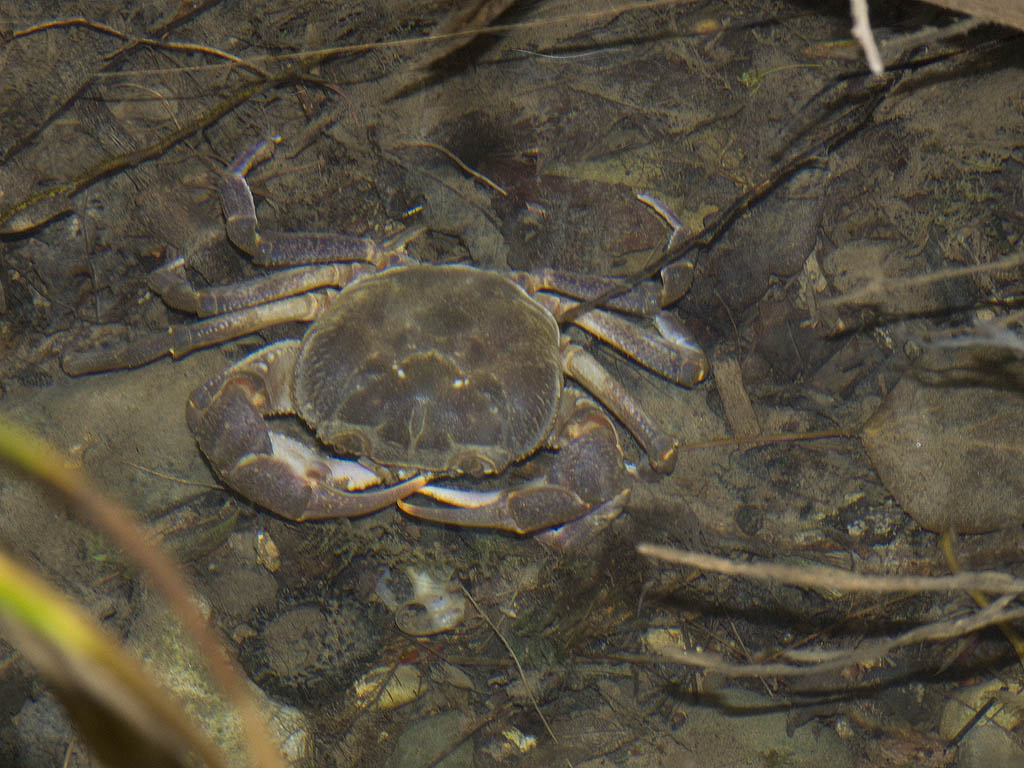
x: 1009, y: 12
x: 952, y: 456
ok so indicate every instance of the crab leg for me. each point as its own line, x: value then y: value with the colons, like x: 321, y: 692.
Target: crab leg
x: 668, y: 351
x: 179, y: 340
x: 227, y: 416
x: 170, y: 282
x: 278, y: 249
x: 586, y: 474
x: 677, y: 276
x: 641, y: 299
x: 659, y: 447
x: 676, y: 356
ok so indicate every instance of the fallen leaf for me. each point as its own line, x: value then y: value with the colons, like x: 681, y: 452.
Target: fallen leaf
x: 951, y: 455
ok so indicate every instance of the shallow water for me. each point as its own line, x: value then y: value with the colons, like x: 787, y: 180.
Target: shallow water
x: 525, y: 150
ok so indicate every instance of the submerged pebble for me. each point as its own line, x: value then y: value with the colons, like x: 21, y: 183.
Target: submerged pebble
x: 384, y: 688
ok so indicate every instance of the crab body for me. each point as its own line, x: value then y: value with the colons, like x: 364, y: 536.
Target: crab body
x: 447, y: 369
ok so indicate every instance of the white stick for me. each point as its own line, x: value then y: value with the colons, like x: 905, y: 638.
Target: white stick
x: 862, y: 33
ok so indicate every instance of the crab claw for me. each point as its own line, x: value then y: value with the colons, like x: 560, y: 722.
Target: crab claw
x: 522, y: 510
x: 587, y: 477
x: 275, y: 483
x: 228, y: 417
x: 575, y: 534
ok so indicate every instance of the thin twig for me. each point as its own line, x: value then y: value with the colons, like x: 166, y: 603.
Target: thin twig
x: 879, y: 288
x: 173, y: 478
x: 451, y: 156
x: 757, y: 440
x: 515, y: 660
x: 185, y: 15
x: 166, y: 44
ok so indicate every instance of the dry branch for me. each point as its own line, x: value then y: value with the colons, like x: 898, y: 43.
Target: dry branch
x: 866, y: 654
x: 823, y: 577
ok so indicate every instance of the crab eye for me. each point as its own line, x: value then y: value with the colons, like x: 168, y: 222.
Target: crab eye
x: 473, y: 464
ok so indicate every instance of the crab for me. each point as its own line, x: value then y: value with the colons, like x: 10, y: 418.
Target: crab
x: 411, y: 374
